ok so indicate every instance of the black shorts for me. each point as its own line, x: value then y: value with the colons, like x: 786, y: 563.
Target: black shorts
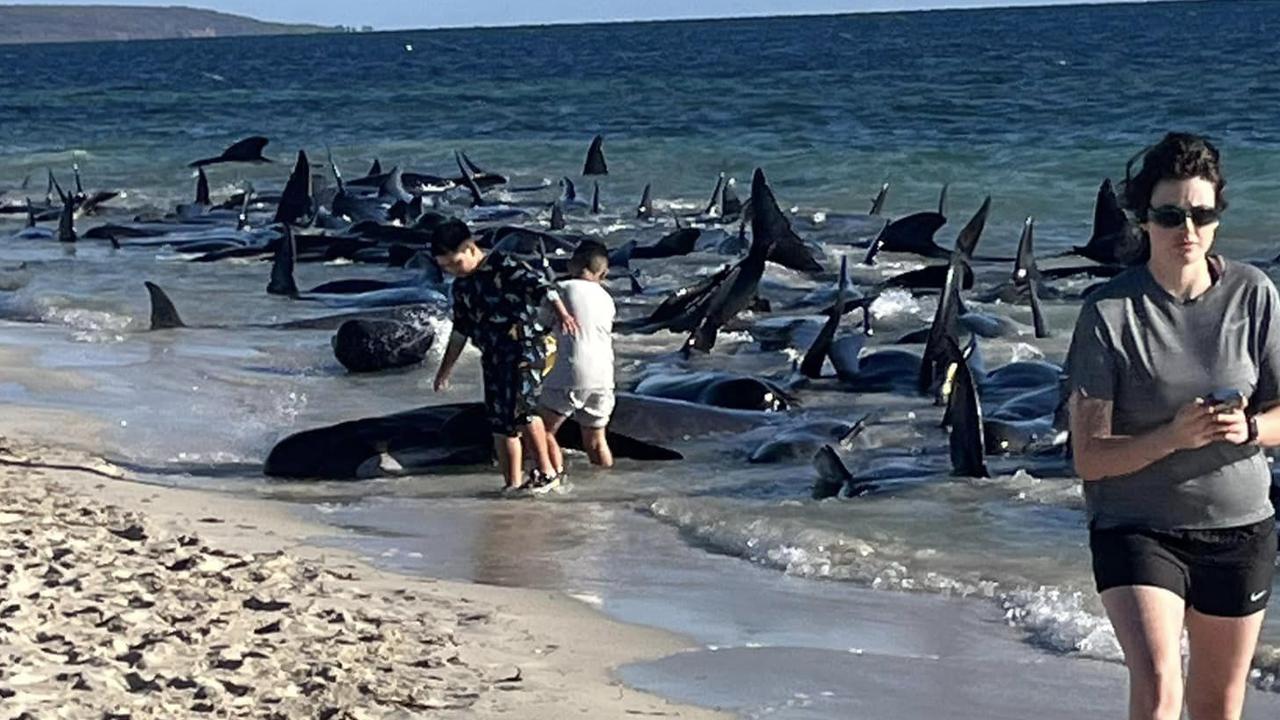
x: 512, y: 383
x: 1226, y: 572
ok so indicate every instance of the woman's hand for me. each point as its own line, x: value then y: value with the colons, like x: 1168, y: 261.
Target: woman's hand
x: 1197, y: 425
x: 1233, y: 424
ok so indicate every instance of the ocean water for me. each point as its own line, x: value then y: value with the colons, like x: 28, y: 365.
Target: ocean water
x: 1033, y: 107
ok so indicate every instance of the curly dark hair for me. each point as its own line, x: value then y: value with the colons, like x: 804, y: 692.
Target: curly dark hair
x: 1178, y: 156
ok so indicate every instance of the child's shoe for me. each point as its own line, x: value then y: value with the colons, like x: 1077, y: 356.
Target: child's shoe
x: 540, y: 484
x: 511, y: 493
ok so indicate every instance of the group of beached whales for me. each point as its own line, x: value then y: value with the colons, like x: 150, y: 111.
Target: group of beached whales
x: 388, y: 218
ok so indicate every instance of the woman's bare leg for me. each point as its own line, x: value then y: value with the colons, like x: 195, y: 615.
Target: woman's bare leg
x: 1148, y: 623
x: 1218, y: 669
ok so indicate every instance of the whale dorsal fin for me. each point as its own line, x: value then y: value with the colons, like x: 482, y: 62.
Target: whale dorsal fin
x: 163, y: 314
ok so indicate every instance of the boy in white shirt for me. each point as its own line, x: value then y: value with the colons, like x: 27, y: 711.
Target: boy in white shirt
x: 581, y: 380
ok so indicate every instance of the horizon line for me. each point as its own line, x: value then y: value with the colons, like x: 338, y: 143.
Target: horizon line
x: 1038, y: 4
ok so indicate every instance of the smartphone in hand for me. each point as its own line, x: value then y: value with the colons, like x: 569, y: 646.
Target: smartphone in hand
x: 1225, y: 400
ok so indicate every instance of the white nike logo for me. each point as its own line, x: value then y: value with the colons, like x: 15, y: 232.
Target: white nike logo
x: 1257, y: 596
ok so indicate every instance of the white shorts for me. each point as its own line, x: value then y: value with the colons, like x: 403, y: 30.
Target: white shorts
x: 592, y: 407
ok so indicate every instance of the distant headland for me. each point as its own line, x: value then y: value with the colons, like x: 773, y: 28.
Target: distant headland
x: 84, y: 23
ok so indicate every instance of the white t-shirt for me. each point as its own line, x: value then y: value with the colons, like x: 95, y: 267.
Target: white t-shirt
x: 584, y: 362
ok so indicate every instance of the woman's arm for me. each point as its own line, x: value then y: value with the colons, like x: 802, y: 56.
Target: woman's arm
x: 1269, y: 427
x: 1099, y: 454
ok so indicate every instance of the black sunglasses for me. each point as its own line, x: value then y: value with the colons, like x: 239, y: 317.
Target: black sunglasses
x: 1175, y: 216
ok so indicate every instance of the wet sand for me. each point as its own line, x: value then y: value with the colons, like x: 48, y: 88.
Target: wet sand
x: 769, y: 645
x: 126, y: 600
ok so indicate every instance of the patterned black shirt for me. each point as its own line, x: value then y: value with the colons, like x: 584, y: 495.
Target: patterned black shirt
x: 497, y: 305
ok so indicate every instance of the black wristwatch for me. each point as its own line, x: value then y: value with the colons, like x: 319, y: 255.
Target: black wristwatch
x: 1252, y: 437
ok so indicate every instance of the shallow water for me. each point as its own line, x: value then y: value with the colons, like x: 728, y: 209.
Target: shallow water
x: 1005, y: 103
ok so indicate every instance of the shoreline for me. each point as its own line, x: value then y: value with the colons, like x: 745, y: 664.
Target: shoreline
x: 492, y: 650
x: 769, y: 644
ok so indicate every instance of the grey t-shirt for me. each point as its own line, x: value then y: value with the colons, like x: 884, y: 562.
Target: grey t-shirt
x: 1150, y: 354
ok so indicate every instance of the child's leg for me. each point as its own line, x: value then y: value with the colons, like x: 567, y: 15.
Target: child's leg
x: 500, y: 399
x: 510, y: 459
x: 529, y: 375
x: 555, y: 406
x: 552, y: 420
x: 597, y: 446
x: 594, y: 420
x: 536, y: 435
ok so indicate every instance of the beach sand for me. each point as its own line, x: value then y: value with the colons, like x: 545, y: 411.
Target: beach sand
x: 129, y: 600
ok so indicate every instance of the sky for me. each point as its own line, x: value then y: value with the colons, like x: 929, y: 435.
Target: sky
x: 400, y: 14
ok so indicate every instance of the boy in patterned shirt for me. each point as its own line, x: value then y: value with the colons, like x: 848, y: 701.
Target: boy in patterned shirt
x: 496, y: 299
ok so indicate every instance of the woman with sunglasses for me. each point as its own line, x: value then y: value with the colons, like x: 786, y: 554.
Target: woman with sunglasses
x: 1174, y: 375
